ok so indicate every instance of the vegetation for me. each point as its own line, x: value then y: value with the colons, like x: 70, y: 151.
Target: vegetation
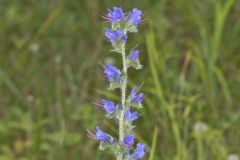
x: 50, y: 56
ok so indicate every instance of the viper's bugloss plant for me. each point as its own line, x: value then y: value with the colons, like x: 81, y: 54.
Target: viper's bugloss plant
x: 122, y: 146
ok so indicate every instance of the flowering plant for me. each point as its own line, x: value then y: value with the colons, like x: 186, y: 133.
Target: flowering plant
x: 121, y: 24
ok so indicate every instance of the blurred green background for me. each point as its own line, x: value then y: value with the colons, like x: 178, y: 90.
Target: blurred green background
x: 50, y: 76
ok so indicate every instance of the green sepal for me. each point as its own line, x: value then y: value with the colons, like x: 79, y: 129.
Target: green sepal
x: 117, y: 47
x: 137, y: 105
x: 109, y: 116
x: 128, y: 127
x: 135, y: 64
x: 114, y: 85
x: 130, y: 28
x: 103, y: 146
x: 133, y: 29
x: 116, y: 50
x: 116, y: 25
x: 115, y: 148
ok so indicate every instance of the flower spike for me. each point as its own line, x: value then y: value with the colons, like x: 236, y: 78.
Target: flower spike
x: 121, y: 24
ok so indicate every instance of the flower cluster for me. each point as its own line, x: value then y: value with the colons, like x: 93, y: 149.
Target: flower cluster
x: 121, y: 24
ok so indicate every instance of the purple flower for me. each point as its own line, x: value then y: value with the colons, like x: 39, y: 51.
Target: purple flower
x: 130, y: 117
x: 135, y: 98
x: 115, y: 15
x: 133, y: 92
x: 138, y: 98
x: 128, y: 140
x: 134, y: 16
x: 112, y: 73
x: 138, y: 152
x: 134, y: 55
x: 114, y: 36
x: 102, y: 136
x: 108, y: 106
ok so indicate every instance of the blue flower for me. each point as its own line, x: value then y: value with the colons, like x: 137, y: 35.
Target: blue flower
x: 133, y: 92
x: 138, y: 152
x: 134, y: 55
x: 128, y: 140
x: 108, y: 106
x: 114, y: 36
x: 112, y: 73
x: 138, y: 98
x: 130, y: 117
x: 115, y: 15
x: 102, y: 136
x: 134, y: 16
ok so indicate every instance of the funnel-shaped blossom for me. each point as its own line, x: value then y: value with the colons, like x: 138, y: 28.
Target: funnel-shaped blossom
x: 108, y: 106
x: 112, y: 73
x: 134, y: 16
x: 115, y: 36
x: 102, y: 136
x: 136, y: 98
x: 130, y: 116
x: 133, y: 92
x: 138, y: 152
x: 128, y: 140
x: 134, y: 55
x: 115, y: 15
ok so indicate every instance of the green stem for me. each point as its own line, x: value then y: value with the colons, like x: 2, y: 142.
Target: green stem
x: 123, y: 90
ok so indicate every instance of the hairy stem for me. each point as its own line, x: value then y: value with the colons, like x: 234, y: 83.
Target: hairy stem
x: 123, y: 90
